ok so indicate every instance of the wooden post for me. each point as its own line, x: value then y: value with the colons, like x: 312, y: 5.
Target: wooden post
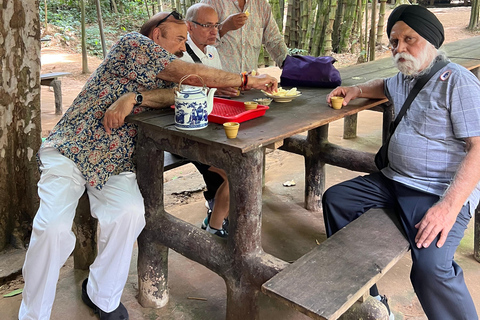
x: 350, y: 126
x: 57, y: 92
x: 245, y: 234
x: 314, y: 169
x: 152, y: 256
x: 85, y: 228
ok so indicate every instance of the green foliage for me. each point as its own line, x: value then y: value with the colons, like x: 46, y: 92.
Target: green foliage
x: 292, y: 51
x: 66, y: 16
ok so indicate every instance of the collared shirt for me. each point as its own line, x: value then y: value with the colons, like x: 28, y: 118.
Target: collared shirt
x: 239, y: 49
x: 209, y: 58
x: 427, y: 146
x: 131, y: 65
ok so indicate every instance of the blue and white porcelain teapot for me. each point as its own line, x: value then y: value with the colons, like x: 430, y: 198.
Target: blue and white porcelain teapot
x: 193, y: 105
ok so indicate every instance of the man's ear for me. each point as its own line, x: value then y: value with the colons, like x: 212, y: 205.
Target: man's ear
x: 189, y: 26
x: 154, y: 34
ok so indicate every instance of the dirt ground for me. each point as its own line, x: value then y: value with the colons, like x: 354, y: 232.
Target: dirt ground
x: 56, y: 58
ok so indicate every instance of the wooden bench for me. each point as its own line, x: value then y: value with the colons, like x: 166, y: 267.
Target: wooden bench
x: 51, y: 80
x: 85, y: 226
x: 327, y: 281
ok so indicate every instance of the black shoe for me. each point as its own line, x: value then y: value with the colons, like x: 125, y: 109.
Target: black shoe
x: 206, y: 221
x: 222, y: 233
x: 225, y: 224
x: 120, y: 313
x: 384, y: 300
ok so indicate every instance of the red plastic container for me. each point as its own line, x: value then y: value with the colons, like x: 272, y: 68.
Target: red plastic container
x: 226, y: 110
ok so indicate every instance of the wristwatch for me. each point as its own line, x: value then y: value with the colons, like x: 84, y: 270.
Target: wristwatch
x: 138, y: 99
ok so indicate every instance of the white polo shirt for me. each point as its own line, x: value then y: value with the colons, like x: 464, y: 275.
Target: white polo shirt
x: 209, y: 58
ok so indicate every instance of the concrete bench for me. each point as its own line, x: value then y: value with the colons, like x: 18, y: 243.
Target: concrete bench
x: 51, y: 80
x: 85, y: 226
x: 327, y: 281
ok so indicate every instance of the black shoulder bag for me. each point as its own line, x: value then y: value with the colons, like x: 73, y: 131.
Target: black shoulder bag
x: 192, y: 54
x: 381, y: 158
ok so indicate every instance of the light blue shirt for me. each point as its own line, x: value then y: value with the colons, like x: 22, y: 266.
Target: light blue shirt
x: 428, y: 144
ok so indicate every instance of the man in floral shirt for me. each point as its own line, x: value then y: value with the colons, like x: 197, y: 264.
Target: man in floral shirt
x: 92, y: 148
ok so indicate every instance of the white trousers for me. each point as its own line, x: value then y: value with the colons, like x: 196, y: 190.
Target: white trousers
x: 120, y: 212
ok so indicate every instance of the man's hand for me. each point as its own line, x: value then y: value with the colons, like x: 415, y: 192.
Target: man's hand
x: 116, y: 113
x: 233, y: 22
x: 349, y: 93
x: 262, y: 82
x: 439, y: 219
x: 228, y: 92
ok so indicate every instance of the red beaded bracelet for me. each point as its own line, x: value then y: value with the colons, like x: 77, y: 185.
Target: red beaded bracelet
x: 244, y: 80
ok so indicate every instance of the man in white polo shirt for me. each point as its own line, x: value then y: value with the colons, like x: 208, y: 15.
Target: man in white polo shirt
x: 202, y: 26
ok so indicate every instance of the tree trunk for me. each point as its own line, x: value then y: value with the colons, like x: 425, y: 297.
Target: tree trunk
x: 328, y: 32
x: 337, y: 24
x: 474, y: 16
x: 321, y: 26
x: 308, y: 43
x: 114, y: 5
x: 366, y: 33
x: 46, y: 17
x: 371, y: 39
x: 305, y: 13
x: 277, y: 13
x: 84, y: 40
x: 146, y: 7
x: 288, y: 22
x: 347, y: 26
x: 100, y: 28
x: 356, y: 37
x: 20, y: 125
x: 381, y: 21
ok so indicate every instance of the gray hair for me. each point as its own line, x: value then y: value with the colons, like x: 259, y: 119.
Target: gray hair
x: 192, y: 12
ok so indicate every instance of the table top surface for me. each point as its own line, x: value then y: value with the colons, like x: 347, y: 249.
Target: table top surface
x: 304, y: 113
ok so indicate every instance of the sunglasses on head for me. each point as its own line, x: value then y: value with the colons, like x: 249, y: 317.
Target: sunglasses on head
x: 174, y: 14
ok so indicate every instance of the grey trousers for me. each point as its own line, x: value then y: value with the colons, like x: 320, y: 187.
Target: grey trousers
x: 436, y: 278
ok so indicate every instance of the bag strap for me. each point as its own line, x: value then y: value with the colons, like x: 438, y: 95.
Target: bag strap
x: 416, y: 89
x: 192, y: 54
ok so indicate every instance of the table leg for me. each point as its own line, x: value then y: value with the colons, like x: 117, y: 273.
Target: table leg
x: 315, y: 169
x: 244, y: 279
x: 388, y: 118
x: 57, y: 92
x: 152, y: 256
x: 350, y: 126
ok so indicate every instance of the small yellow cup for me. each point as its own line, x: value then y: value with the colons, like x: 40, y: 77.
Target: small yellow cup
x: 231, y: 129
x: 250, y: 105
x: 337, y: 102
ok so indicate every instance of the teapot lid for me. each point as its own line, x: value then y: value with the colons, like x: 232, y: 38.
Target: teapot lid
x: 190, y: 89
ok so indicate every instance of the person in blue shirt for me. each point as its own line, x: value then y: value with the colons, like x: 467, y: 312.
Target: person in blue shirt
x: 432, y: 179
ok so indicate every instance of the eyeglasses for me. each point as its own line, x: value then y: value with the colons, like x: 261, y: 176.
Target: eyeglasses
x: 174, y: 14
x: 209, y: 26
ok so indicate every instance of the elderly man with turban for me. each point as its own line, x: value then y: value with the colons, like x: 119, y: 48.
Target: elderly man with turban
x: 431, y: 180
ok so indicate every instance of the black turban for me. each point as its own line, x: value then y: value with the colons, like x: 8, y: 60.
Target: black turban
x: 420, y: 19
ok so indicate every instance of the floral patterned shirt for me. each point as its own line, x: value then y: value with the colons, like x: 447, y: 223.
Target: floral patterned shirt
x: 239, y: 49
x: 131, y: 65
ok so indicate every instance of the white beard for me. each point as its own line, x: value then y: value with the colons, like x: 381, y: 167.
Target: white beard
x: 412, y: 65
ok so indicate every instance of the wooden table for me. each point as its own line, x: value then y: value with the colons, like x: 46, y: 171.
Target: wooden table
x: 240, y: 260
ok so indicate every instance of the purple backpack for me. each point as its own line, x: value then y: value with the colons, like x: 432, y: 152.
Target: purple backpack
x: 308, y: 71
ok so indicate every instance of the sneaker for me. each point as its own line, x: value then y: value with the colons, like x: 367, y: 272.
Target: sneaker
x: 384, y: 300
x: 206, y: 221
x: 120, y: 313
x: 225, y: 224
x: 222, y: 233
